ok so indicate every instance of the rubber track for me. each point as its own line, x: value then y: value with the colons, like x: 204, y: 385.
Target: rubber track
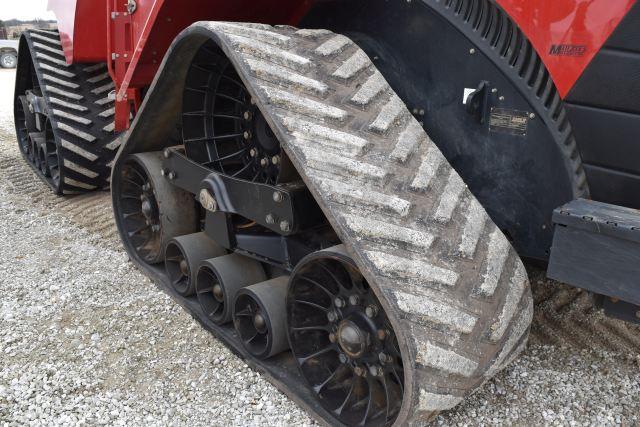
x: 454, y: 288
x: 82, y: 114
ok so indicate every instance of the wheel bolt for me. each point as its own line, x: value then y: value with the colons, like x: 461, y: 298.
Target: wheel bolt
x: 376, y: 370
x: 384, y: 358
x: 285, y: 226
x: 332, y: 316
x: 354, y: 300
x: 382, y: 334
x: 338, y: 302
x: 359, y: 371
x: 343, y: 358
x: 371, y: 311
x: 246, y: 134
x: 247, y: 115
x: 275, y: 160
x: 264, y: 162
x: 253, y: 152
x: 332, y: 337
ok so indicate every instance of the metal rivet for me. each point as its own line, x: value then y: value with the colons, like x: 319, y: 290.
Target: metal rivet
x: 338, y: 302
x: 270, y: 219
x: 472, y: 51
x: 371, y: 311
x: 163, y: 172
x: 354, y: 300
x: 171, y: 175
x: 166, y: 153
x: 285, y: 226
x: 532, y: 116
x: 277, y: 196
x: 247, y: 115
x: 246, y: 134
x: 332, y: 316
x: 501, y: 98
x: 494, y: 90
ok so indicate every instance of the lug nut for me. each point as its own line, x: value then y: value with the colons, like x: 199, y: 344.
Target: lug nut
x: 275, y: 160
x: 338, y: 302
x: 253, y: 152
x: 371, y: 311
x: 277, y: 196
x: 270, y: 219
x: 285, y: 226
x: 376, y: 371
x: 166, y: 153
x: 264, y: 162
x: 332, y: 316
x: 332, y: 337
x: 384, y: 358
x: 246, y: 134
x: 247, y: 115
x: 354, y: 300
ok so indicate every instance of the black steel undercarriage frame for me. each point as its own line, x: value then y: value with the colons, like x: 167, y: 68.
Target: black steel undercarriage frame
x: 288, y: 224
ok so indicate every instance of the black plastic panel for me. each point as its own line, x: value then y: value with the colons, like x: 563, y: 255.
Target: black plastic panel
x: 610, y: 81
x: 604, y: 135
x: 627, y: 35
x: 612, y: 186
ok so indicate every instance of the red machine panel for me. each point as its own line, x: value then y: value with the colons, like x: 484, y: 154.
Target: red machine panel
x: 567, y: 33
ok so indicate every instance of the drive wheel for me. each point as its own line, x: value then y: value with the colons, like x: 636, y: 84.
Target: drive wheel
x: 343, y: 341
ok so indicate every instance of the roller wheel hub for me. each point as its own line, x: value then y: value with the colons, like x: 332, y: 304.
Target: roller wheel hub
x: 352, y: 339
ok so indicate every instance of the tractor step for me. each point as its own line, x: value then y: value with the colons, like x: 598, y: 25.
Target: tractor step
x: 596, y: 246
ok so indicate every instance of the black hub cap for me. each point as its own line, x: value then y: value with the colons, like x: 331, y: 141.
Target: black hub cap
x: 222, y: 128
x: 343, y: 341
x: 139, y: 213
x: 177, y: 268
x: 252, y: 325
x: 210, y: 294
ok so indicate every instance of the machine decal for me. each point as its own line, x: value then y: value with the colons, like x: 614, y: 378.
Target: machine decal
x: 505, y: 120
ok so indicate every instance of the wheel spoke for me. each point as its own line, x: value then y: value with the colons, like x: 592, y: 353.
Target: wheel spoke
x: 138, y: 230
x: 369, y: 402
x: 341, y: 408
x: 303, y: 360
x: 312, y: 304
x: 318, y: 285
x: 311, y: 328
x: 318, y: 388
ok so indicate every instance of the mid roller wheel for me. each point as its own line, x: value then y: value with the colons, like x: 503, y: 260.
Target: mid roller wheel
x: 149, y: 210
x: 343, y: 341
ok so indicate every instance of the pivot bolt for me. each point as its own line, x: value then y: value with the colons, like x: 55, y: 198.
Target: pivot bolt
x: 285, y: 226
x: 246, y: 134
x: 277, y: 196
x: 332, y: 316
x: 376, y: 371
x: 338, y: 302
x: 270, y: 219
x: 354, y: 300
x: 253, y: 152
x: 171, y: 176
x: 247, y: 115
x: 166, y: 153
x: 371, y: 311
x: 207, y: 200
x: 275, y: 160
x: 264, y: 162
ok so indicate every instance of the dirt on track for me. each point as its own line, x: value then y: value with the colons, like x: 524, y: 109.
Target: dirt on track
x: 580, y: 367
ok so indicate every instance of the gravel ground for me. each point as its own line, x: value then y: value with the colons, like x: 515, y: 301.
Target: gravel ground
x: 86, y: 338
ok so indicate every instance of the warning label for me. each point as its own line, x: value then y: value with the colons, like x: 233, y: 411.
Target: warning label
x: 513, y: 122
